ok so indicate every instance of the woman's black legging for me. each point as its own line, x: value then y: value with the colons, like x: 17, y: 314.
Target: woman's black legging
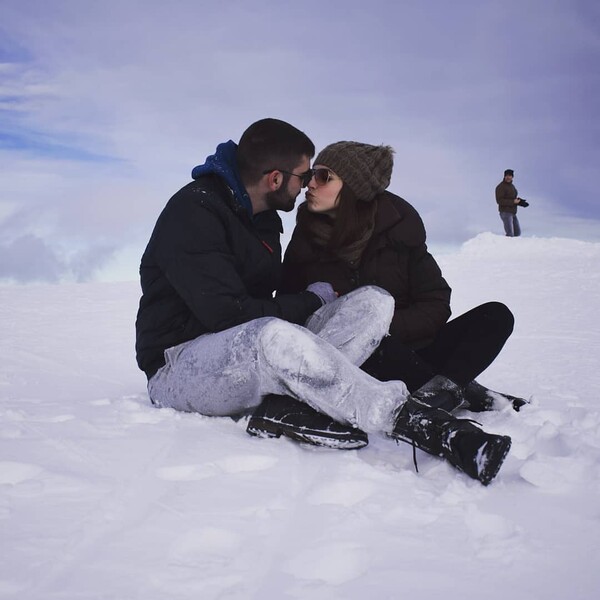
x: 463, y: 349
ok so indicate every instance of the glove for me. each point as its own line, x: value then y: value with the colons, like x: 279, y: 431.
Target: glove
x: 324, y: 290
x: 522, y: 202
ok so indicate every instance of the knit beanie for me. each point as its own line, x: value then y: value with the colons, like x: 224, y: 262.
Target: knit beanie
x: 364, y: 168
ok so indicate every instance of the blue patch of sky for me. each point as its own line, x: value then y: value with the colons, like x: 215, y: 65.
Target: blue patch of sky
x: 15, y: 137
x: 41, y: 145
x: 11, y: 51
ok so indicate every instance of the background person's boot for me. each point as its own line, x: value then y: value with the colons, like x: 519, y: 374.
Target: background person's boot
x: 464, y: 445
x: 479, y: 398
x: 283, y: 415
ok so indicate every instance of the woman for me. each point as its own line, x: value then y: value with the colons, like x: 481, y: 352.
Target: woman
x: 352, y: 232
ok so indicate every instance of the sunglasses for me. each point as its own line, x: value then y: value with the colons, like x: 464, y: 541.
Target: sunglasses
x: 305, y: 177
x: 322, y: 175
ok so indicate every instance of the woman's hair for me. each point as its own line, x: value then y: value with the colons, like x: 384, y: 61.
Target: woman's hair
x: 353, y: 221
x: 346, y: 235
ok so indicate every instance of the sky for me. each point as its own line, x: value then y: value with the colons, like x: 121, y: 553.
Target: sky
x: 106, y: 107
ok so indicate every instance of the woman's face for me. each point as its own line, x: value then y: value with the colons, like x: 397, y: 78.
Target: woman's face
x: 323, y: 190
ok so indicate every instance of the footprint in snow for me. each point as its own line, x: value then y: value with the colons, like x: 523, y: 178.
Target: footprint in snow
x: 335, y: 563
x: 150, y: 417
x: 344, y: 493
x: 550, y: 441
x: 60, y: 419
x: 101, y: 402
x: 554, y: 474
x: 493, y: 537
x: 204, y: 546
x: 13, y: 473
x: 230, y: 465
x: 487, y: 525
x: 202, y: 564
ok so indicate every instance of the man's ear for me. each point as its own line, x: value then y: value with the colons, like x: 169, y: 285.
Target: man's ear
x: 274, y: 180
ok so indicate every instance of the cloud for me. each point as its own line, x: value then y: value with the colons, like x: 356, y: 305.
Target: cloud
x: 105, y: 108
x: 30, y: 258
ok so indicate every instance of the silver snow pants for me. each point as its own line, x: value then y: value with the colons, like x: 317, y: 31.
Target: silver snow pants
x: 228, y: 372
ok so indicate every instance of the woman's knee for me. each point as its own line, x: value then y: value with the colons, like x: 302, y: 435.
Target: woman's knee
x: 374, y: 298
x: 372, y: 291
x: 500, y: 314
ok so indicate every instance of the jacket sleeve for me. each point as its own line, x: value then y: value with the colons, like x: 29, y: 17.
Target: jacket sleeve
x: 428, y: 306
x: 293, y: 274
x: 197, y: 259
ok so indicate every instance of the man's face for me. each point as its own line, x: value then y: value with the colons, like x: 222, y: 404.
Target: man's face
x: 508, y: 178
x: 285, y: 197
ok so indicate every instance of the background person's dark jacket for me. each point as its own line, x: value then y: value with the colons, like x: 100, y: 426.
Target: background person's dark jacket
x: 209, y: 267
x: 506, y: 194
x: 396, y: 259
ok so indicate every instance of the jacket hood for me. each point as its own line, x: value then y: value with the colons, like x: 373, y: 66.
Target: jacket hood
x: 223, y: 164
x: 395, y: 213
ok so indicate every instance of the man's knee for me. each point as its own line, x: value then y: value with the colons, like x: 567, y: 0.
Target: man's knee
x: 275, y: 333
x: 290, y: 348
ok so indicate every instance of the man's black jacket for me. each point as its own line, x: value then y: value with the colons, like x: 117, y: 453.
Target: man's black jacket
x: 209, y: 267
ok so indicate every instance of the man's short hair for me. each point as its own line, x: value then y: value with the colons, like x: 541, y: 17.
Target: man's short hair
x: 271, y: 144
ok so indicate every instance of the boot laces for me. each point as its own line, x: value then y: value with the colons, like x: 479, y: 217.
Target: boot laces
x: 414, y: 451
x: 446, y: 443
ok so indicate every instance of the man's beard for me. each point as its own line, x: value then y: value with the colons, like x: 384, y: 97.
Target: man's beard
x: 281, y: 199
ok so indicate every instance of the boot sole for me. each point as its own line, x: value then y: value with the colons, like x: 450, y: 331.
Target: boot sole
x: 269, y: 429
x: 494, y: 459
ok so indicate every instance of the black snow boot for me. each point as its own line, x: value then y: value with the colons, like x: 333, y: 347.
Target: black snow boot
x: 282, y: 415
x: 468, y: 448
x: 479, y: 398
x: 440, y: 392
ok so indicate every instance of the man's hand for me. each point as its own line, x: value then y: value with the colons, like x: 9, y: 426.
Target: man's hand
x: 324, y: 290
x: 522, y: 202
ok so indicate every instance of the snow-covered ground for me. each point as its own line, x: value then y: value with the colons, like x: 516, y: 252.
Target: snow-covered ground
x: 103, y: 496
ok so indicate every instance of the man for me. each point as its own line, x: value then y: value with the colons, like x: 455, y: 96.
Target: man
x: 507, y: 199
x: 212, y: 339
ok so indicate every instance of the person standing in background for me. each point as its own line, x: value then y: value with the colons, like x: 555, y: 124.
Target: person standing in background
x: 507, y: 198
